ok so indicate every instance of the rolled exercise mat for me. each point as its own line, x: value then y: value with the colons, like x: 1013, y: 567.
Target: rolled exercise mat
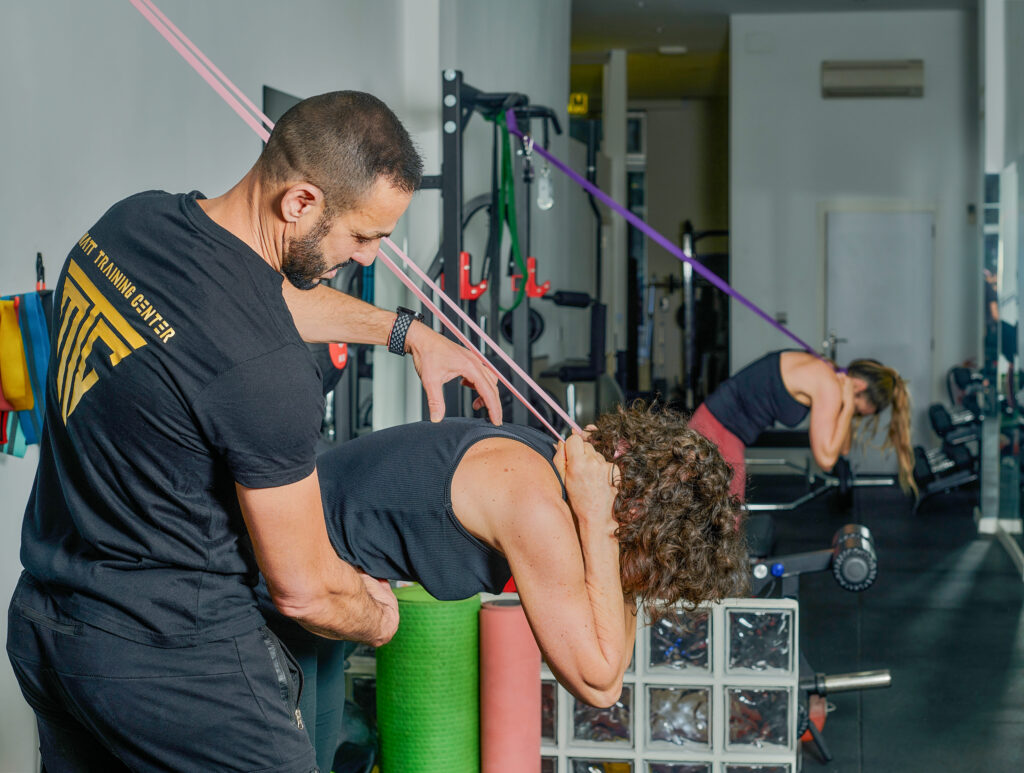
x: 428, y: 710
x: 509, y: 690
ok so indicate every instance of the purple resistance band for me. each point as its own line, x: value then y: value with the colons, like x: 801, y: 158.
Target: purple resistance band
x: 631, y: 218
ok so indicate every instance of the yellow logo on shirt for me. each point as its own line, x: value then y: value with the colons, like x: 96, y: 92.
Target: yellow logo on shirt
x: 86, y: 317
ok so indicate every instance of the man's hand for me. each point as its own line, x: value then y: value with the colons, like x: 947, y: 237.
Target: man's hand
x: 591, y: 483
x: 380, y: 591
x: 438, y: 360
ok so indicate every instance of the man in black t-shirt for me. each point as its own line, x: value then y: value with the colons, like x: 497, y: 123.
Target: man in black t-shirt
x: 182, y: 412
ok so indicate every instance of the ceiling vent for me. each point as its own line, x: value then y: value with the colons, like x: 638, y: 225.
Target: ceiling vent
x: 873, y: 78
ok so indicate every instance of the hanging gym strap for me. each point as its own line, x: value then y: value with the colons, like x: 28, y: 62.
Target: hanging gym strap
x: 190, y: 52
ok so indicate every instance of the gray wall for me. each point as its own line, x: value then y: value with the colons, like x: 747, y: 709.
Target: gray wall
x: 791, y: 151
x: 1014, y: 82
x: 98, y: 106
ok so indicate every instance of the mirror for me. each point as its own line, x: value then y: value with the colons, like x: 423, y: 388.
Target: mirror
x: 1007, y: 368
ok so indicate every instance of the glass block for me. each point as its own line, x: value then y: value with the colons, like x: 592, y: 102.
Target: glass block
x: 680, y: 642
x: 599, y: 766
x: 760, y: 641
x: 680, y: 715
x: 611, y: 725
x: 758, y: 717
x: 678, y: 767
x: 548, y: 710
x: 771, y: 768
x: 548, y: 765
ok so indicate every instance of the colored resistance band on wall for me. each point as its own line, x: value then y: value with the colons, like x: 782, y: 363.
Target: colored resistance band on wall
x: 191, y: 53
x: 36, y: 341
x: 14, y: 375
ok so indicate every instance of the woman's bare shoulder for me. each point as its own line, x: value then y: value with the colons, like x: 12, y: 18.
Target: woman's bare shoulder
x: 806, y: 375
x: 503, y: 485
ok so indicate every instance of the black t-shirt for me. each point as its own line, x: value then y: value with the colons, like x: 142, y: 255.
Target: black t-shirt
x: 388, y: 504
x: 175, y: 371
x: 754, y: 399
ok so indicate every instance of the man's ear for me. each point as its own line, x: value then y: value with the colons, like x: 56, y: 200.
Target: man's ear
x: 300, y: 200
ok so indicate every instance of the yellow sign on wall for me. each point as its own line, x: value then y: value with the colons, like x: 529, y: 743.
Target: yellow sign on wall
x: 579, y: 103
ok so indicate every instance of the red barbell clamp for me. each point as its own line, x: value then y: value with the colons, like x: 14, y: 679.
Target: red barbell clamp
x: 467, y: 290
x: 533, y: 290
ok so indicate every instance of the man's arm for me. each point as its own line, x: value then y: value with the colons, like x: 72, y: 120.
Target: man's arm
x: 325, y: 315
x: 306, y: 579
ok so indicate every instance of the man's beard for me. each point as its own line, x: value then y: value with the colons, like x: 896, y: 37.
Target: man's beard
x: 303, y: 262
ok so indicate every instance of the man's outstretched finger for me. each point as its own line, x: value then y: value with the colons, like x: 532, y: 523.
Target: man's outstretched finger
x: 435, y: 400
x: 487, y: 389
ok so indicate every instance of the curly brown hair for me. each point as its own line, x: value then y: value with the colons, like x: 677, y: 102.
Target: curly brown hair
x: 679, y: 535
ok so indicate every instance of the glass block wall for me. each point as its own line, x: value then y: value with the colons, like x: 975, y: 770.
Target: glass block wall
x: 714, y: 692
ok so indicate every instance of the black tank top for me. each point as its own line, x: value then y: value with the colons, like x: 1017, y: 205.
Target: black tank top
x: 754, y: 399
x: 387, y: 500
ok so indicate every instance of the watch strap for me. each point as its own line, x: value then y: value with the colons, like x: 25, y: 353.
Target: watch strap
x: 403, y: 321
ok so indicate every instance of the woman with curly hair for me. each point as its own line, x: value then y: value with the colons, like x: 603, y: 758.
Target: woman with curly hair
x: 639, y: 513
x: 785, y: 386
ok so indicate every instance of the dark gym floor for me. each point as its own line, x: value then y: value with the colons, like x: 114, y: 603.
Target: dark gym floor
x: 944, y: 616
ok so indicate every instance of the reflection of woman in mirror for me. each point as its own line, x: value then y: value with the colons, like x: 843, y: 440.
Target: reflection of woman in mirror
x: 786, y: 386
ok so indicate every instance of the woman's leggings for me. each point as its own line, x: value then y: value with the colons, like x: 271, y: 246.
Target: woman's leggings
x: 730, y: 446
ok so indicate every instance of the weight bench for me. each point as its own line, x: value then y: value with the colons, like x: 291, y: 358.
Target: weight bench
x: 841, y: 480
x: 853, y: 563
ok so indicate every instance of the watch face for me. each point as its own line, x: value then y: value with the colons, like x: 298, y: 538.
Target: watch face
x: 415, y: 314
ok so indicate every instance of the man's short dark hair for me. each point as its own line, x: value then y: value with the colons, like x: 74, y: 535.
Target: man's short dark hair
x: 342, y: 142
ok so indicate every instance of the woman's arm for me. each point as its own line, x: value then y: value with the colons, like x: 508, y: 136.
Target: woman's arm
x: 567, y: 573
x: 832, y: 409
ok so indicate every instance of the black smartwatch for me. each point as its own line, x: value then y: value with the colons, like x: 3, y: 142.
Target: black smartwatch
x: 404, y: 320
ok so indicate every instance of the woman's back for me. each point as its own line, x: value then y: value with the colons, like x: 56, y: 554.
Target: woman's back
x: 388, y: 504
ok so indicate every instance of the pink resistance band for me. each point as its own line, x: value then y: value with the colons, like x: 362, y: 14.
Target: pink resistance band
x: 191, y: 54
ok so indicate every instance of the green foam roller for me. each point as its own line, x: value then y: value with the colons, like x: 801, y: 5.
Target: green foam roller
x: 428, y: 695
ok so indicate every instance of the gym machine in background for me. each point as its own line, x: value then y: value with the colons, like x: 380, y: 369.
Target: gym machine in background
x: 956, y: 462
x: 702, y: 316
x: 508, y: 205
x: 460, y: 102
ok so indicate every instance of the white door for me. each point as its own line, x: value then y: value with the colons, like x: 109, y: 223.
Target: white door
x: 879, y: 298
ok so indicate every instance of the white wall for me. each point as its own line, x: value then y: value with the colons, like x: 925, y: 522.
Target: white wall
x: 97, y: 106
x: 1014, y: 81
x: 791, y: 150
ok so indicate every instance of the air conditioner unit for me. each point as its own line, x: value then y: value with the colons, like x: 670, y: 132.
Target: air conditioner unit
x: 873, y: 78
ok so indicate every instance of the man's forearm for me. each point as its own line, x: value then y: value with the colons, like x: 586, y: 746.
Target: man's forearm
x: 325, y: 315
x: 346, y: 610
